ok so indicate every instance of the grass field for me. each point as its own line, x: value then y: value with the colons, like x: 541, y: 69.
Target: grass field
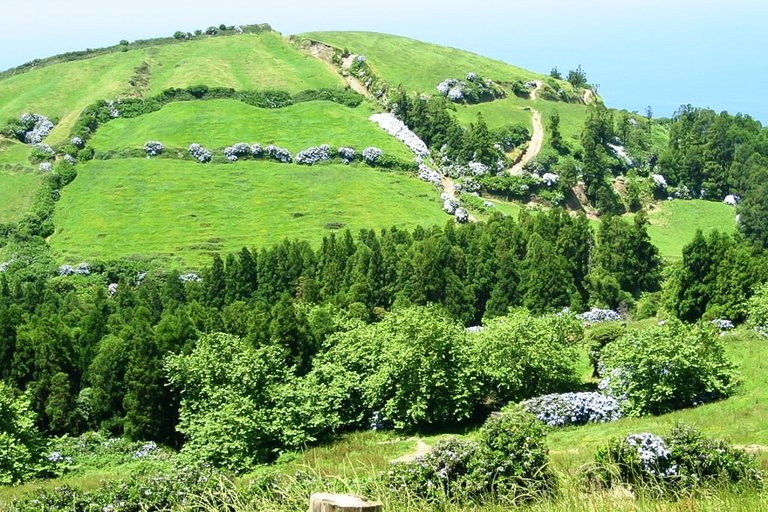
x: 183, y: 211
x: 220, y: 123
x: 674, y: 223
x: 264, y: 61
x: 417, y: 65
x: 512, y: 110
x: 18, y: 181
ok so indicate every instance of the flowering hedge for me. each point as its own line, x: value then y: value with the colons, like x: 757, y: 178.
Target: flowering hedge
x: 557, y: 410
x: 279, y: 154
x: 472, y: 90
x: 371, y: 155
x: 399, y: 130
x: 597, y: 315
x: 238, y: 150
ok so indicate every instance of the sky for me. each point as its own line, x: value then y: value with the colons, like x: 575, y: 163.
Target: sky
x: 657, y: 53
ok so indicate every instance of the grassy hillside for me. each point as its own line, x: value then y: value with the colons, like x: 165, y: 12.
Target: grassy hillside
x: 18, y: 181
x: 674, y: 223
x: 418, y: 66
x: 183, y: 211
x: 263, y: 61
x: 220, y: 123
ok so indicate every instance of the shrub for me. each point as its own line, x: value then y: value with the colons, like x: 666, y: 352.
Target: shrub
x: 199, y: 153
x: 20, y: 442
x: 239, y: 150
x: 509, y: 461
x: 371, y: 155
x: 313, y: 155
x: 153, y: 148
x: 667, y: 367
x: 682, y: 459
x: 519, y: 356
x: 757, y: 309
x: 347, y: 154
x: 279, y: 154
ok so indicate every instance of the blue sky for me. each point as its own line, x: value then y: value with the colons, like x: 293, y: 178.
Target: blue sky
x: 709, y: 53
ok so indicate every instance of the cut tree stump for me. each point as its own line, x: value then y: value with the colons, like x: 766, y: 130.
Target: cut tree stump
x: 322, y: 502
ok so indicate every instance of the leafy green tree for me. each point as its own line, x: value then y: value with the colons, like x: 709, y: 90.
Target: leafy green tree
x: 555, y: 137
x: 21, y: 445
x: 546, y: 282
x: 577, y: 77
x: 241, y: 406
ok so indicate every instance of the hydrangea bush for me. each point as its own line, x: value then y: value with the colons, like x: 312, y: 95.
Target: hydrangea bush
x: 347, y: 154
x: 153, y: 148
x: 371, y: 155
x: 557, y: 410
x: 398, y: 129
x: 46, y: 167
x: 681, y: 459
x: 199, y: 153
x: 430, y: 175
x: 313, y: 155
x: 461, y: 215
x: 667, y: 367
x: 33, y: 128
x: 509, y: 462
x: 70, y: 159
x: 279, y: 154
x: 597, y: 315
x: 77, y: 142
x: 472, y: 90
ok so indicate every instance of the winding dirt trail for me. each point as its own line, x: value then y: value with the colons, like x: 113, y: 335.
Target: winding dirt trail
x: 537, y: 139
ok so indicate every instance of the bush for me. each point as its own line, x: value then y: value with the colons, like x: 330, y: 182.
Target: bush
x: 20, y: 443
x: 509, y: 461
x: 520, y: 356
x: 682, y: 459
x: 667, y: 367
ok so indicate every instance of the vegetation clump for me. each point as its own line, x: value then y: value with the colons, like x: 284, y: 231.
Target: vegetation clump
x: 681, y: 459
x: 508, y: 462
x: 667, y: 367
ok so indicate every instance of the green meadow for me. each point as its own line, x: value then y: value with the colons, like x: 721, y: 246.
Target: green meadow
x: 183, y: 211
x: 220, y: 123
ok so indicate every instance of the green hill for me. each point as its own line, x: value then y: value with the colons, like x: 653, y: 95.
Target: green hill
x: 63, y: 90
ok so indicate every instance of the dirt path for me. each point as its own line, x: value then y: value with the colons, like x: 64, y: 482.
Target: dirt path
x: 537, y: 139
x: 450, y: 189
x: 421, y: 449
x: 324, y: 53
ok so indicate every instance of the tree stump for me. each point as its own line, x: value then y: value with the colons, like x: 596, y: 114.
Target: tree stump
x: 323, y: 502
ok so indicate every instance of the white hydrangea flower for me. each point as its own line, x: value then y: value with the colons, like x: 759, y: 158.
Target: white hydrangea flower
x: 37, y: 127
x: 732, y: 200
x: 112, y: 289
x: 430, y: 175
x: 659, y: 181
x: 347, y: 154
x: 450, y: 206
x: 70, y: 159
x: 77, y: 142
x: 478, y: 169
x: 597, y: 315
x: 190, y: 278
x: 550, y: 179
x: 199, y: 153
x: 257, y: 150
x: 46, y: 167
